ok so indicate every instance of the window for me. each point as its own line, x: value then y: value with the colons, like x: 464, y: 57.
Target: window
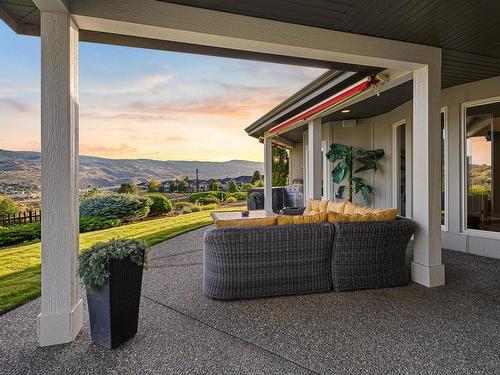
x: 444, y: 169
x: 482, y: 165
x: 399, y: 167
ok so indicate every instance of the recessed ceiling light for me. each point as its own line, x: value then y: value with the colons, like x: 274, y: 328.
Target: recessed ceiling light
x: 345, y: 111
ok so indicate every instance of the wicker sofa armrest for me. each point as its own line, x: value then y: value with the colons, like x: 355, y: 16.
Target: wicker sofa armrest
x: 371, y: 254
x: 292, y: 211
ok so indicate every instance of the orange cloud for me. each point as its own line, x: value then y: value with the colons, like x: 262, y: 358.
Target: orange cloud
x: 121, y: 150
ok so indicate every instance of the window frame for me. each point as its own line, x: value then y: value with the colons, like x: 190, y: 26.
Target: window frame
x: 463, y: 117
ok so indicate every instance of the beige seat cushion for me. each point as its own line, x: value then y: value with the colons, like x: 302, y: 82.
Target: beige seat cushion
x: 315, y: 206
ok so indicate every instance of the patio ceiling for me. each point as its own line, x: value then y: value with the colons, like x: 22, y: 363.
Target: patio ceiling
x: 468, y: 32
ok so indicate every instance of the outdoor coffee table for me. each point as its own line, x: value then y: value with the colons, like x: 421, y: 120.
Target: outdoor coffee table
x: 236, y: 215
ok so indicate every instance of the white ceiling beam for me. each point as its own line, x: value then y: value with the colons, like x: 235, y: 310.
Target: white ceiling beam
x: 55, y: 6
x: 166, y: 21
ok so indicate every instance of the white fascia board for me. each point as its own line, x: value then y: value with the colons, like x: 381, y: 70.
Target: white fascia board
x: 166, y: 21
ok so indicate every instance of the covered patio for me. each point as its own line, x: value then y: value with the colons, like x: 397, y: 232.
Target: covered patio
x: 411, y: 329
x: 417, y: 328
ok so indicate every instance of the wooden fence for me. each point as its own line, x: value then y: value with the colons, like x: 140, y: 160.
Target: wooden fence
x: 20, y: 218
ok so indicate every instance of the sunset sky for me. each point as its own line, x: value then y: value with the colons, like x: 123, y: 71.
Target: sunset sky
x: 137, y: 103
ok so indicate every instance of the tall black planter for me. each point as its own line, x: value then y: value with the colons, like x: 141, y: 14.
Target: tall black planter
x: 114, y: 308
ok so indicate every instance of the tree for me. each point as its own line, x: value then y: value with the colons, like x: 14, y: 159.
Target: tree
x: 153, y: 185
x: 162, y: 189
x: 246, y: 186
x: 345, y: 158
x: 256, y: 177
x: 174, y: 186
x: 280, y: 167
x: 214, y: 185
x: 91, y: 193
x: 183, y: 186
x: 232, y: 187
x: 259, y: 183
x: 126, y: 188
x: 8, y: 206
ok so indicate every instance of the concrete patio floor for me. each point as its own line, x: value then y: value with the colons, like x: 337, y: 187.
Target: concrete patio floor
x: 448, y: 330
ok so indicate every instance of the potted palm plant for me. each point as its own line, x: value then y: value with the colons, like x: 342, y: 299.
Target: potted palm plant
x: 349, y: 162
x: 112, y: 274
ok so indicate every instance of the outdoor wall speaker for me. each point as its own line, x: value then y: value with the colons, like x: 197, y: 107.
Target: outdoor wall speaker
x: 349, y: 123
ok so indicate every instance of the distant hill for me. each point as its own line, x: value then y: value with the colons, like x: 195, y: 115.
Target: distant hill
x: 24, y: 167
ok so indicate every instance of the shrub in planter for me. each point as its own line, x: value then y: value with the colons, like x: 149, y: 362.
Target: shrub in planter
x: 127, y: 207
x: 19, y: 234
x: 231, y: 200
x: 91, y: 223
x: 112, y: 274
x: 160, y: 205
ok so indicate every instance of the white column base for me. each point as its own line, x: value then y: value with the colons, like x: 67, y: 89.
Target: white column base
x: 60, y: 328
x: 429, y: 276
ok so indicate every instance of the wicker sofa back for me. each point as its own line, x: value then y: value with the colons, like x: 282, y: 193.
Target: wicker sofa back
x: 371, y: 255
x: 252, y: 262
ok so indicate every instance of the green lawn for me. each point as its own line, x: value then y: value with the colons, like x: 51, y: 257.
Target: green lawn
x: 20, y: 265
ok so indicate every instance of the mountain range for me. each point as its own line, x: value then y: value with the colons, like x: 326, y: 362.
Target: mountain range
x: 24, y: 167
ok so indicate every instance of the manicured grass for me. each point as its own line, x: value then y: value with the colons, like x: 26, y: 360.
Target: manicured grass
x: 20, y: 265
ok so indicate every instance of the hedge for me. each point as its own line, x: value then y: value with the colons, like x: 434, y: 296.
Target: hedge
x: 195, y: 197
x: 91, y: 223
x: 19, y: 233
x: 160, y: 205
x: 126, y: 207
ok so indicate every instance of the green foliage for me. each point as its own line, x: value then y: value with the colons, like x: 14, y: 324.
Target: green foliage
x: 181, y: 205
x: 153, y: 185
x: 231, y: 200
x: 93, y: 263
x: 162, y: 189
x: 208, y: 199
x: 196, y: 208
x: 280, y: 166
x: 259, y: 183
x: 209, y: 207
x: 8, y: 206
x: 345, y: 160
x: 19, y: 234
x: 232, y: 187
x: 183, y: 186
x: 92, y: 223
x: 214, y: 185
x: 160, y: 205
x: 126, y: 188
x: 187, y: 210
x: 246, y: 186
x: 480, y: 190
x: 256, y: 177
x: 239, y: 196
x: 91, y: 193
x: 173, y: 186
x: 127, y: 207
x: 198, y: 197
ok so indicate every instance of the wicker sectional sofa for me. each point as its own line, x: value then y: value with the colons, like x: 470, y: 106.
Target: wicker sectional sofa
x: 264, y: 261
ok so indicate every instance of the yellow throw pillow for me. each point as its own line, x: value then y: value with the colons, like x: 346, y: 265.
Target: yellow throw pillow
x: 302, y: 219
x: 335, y: 207
x: 349, y: 208
x: 246, y: 222
x: 315, y: 206
x: 387, y: 214
x: 334, y: 217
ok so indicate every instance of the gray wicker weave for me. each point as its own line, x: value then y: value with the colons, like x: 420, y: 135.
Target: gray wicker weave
x: 250, y: 262
x: 371, y: 255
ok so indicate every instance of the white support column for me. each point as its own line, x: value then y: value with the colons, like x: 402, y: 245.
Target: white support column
x: 268, y: 174
x: 60, y: 319
x: 426, y: 268
x: 314, y: 170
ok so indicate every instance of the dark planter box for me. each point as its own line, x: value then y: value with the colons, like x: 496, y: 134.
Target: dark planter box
x: 278, y: 199
x: 114, y: 308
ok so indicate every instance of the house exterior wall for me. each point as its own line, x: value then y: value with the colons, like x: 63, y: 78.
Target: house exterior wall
x: 376, y: 132
x: 296, y: 162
